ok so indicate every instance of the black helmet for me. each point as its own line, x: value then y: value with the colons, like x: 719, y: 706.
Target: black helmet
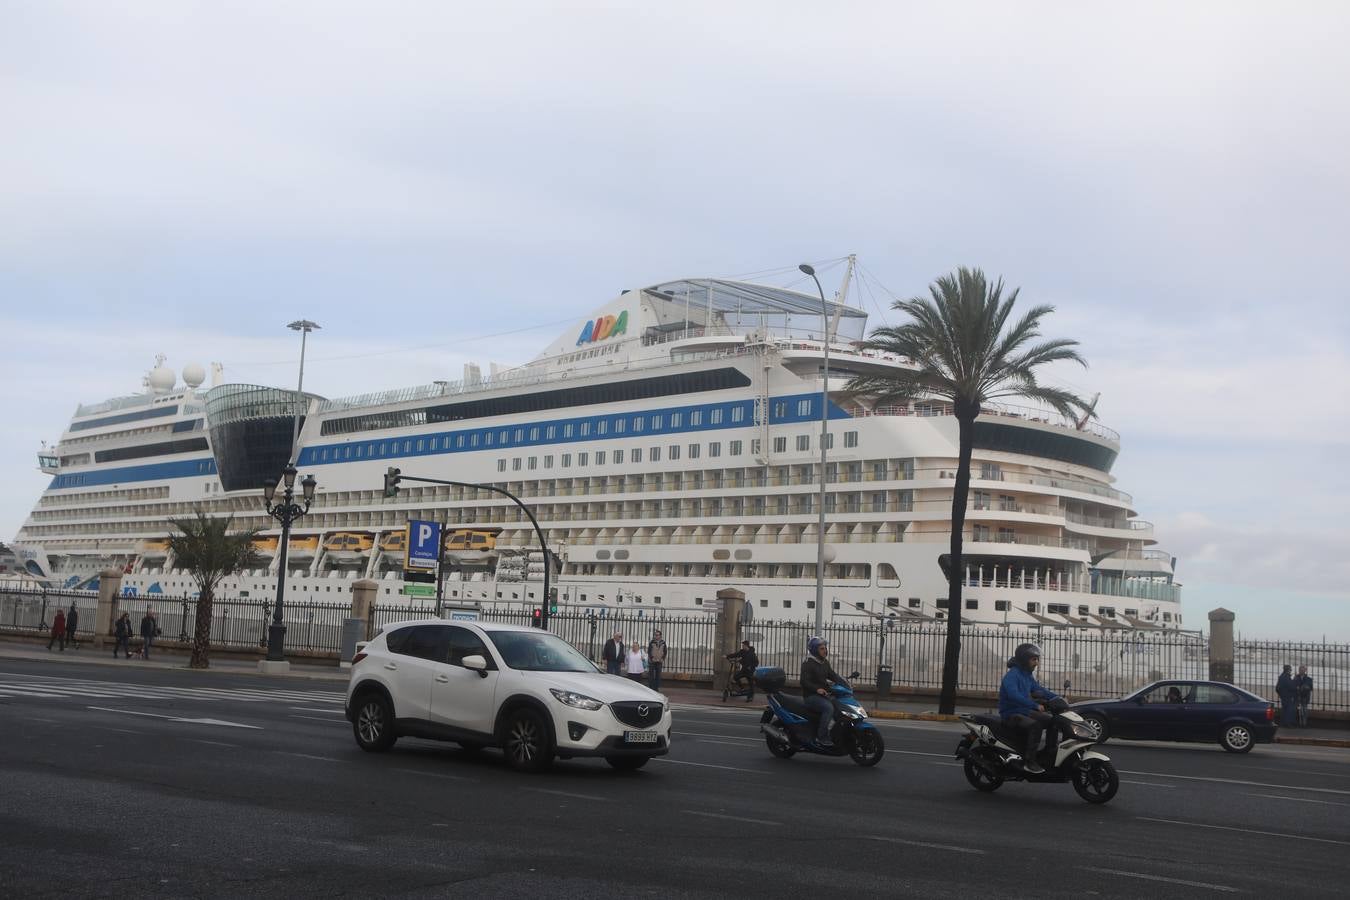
x: 1025, y: 652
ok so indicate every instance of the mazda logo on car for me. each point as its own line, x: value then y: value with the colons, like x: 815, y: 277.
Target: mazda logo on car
x: 642, y: 710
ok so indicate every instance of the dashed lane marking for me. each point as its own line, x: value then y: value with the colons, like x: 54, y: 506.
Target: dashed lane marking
x: 591, y: 797
x: 929, y: 845
x: 1280, y: 834
x: 713, y: 815
x: 1261, y: 784
x: 184, y: 720
x: 1195, y: 884
x: 1298, y: 799
x: 442, y: 775
x: 685, y: 762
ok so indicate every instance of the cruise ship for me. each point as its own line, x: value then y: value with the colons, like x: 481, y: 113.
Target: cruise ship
x: 668, y: 444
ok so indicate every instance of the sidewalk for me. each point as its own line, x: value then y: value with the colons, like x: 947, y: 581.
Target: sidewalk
x: 677, y: 691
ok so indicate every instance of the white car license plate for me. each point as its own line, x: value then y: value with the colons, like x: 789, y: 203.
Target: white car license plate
x: 639, y: 737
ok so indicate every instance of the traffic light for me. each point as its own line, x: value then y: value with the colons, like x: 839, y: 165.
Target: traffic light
x: 537, y: 619
x: 391, y: 482
x: 552, y: 601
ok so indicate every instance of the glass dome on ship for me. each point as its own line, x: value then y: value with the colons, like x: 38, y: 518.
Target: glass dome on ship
x: 668, y: 451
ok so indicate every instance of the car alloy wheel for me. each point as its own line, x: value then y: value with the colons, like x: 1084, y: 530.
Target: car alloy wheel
x: 527, y: 742
x: 1237, y: 739
x: 373, y: 724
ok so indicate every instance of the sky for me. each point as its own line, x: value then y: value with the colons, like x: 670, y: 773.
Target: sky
x: 442, y: 183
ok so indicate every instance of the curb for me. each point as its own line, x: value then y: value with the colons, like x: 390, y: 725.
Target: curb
x: 1313, y: 742
x: 920, y: 717
x: 183, y: 667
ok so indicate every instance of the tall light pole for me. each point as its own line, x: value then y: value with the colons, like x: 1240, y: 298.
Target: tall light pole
x: 824, y: 440
x: 285, y: 512
x: 304, y: 326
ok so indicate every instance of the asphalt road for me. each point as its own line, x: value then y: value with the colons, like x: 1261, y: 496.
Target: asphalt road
x: 178, y: 783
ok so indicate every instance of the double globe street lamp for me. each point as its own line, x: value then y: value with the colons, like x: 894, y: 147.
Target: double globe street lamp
x: 286, y: 512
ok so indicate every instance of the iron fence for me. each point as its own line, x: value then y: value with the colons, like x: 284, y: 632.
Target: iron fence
x: 1081, y: 662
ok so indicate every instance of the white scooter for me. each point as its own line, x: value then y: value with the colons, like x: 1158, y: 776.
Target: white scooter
x: 991, y: 758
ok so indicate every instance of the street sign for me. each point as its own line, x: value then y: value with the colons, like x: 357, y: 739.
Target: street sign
x: 424, y: 544
x: 419, y: 590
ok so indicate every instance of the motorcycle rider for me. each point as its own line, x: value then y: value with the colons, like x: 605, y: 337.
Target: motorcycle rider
x: 1021, y: 703
x: 817, y: 676
x: 746, y: 663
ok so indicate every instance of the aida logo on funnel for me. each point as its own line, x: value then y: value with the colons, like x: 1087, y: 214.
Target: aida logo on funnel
x: 603, y: 327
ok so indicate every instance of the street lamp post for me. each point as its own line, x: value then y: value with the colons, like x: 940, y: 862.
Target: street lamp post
x: 824, y: 440
x: 304, y: 326
x: 285, y: 512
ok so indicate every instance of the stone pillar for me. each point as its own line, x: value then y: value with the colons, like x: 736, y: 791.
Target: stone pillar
x: 363, y: 598
x: 105, y: 615
x: 730, y: 603
x: 1221, y: 645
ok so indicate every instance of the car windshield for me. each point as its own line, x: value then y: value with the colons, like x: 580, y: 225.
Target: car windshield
x: 539, y: 652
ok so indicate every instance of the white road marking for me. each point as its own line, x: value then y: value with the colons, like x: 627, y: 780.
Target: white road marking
x: 1298, y: 799
x: 307, y: 756
x: 134, y: 712
x: 1262, y: 784
x: 569, y: 794
x: 435, y: 775
x: 340, y: 722
x: 1296, y: 837
x: 724, y: 743
x: 24, y: 693
x: 682, y: 762
x: 724, y: 736
x: 1197, y: 884
x: 921, y: 753
x: 712, y: 815
x: 212, y: 743
x: 336, y: 712
x: 1147, y: 783
x: 926, y: 844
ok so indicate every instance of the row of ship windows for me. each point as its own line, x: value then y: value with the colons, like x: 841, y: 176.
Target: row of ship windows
x: 470, y: 441
x: 672, y: 452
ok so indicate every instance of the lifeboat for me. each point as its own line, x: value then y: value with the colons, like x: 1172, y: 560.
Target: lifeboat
x: 395, y: 543
x: 266, y: 546
x: 303, y: 547
x: 347, y: 547
x: 470, y: 545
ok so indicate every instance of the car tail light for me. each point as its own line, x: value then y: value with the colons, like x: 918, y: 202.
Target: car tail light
x: 358, y: 657
x: 1270, y: 713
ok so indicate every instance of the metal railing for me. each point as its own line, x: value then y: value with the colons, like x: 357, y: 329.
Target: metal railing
x: 1094, y: 662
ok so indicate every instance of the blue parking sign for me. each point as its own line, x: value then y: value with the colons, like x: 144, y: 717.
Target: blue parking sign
x: 424, y: 544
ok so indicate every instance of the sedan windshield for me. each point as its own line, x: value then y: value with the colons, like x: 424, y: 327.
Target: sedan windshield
x: 539, y: 652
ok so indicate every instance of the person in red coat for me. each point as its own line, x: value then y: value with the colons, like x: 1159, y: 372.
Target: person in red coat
x: 58, y: 630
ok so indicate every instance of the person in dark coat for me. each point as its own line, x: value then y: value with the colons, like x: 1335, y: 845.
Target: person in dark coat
x: 149, y: 628
x: 72, y: 622
x: 1303, y: 685
x: 613, y: 654
x: 58, y: 630
x: 122, y: 636
x: 1288, y: 694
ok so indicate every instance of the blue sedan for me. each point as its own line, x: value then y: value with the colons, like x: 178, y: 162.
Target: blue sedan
x: 1184, y: 711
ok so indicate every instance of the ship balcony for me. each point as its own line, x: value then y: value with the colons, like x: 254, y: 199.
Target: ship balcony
x: 1146, y: 562
x: 1128, y: 529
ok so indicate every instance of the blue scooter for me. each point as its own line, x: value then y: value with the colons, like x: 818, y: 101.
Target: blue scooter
x: 789, y: 727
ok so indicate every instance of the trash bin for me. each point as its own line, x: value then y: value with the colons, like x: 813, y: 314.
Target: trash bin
x: 883, y: 681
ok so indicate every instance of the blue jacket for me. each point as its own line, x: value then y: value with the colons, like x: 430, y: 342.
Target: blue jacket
x: 1014, y: 695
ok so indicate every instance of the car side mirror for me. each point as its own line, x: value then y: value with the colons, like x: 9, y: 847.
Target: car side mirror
x: 477, y: 663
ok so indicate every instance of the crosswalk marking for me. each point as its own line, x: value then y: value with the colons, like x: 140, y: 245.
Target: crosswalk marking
x: 54, y: 688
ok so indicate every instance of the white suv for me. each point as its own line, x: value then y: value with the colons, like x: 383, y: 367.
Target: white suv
x: 480, y: 683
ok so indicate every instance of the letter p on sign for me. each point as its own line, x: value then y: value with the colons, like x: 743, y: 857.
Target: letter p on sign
x: 423, y: 535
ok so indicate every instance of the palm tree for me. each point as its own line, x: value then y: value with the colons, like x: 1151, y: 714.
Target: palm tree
x: 210, y: 552
x: 966, y: 349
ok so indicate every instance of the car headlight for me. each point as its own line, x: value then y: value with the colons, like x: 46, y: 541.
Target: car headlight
x: 571, y: 698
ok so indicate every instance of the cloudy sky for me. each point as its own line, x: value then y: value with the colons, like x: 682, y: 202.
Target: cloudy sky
x: 436, y: 183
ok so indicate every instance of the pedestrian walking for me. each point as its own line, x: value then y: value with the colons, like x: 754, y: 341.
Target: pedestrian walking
x: 656, y: 660
x: 635, y: 663
x: 1288, y: 694
x: 72, y: 622
x: 122, y: 635
x: 149, y: 631
x: 58, y: 630
x: 1303, y: 687
x: 613, y: 653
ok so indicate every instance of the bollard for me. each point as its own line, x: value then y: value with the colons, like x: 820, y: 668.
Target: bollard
x: 353, y: 631
x: 1221, y: 645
